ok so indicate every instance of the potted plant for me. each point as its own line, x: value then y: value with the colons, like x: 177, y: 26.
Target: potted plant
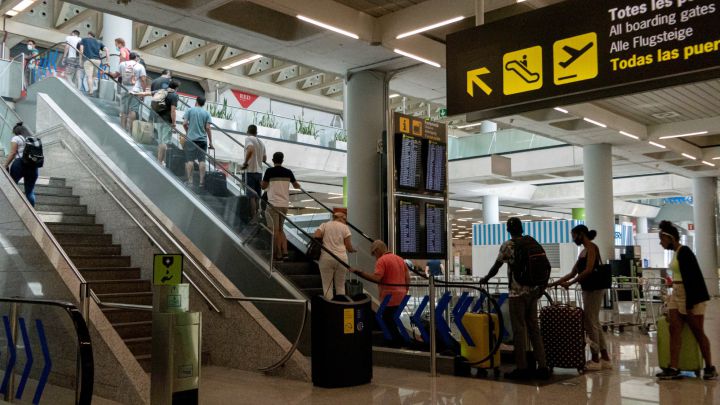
x: 222, y: 115
x: 267, y: 125
x: 339, y: 140
x: 306, y: 132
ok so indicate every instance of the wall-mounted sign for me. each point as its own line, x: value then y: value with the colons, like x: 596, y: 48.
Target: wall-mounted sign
x: 245, y: 99
x: 579, y: 50
x: 167, y: 269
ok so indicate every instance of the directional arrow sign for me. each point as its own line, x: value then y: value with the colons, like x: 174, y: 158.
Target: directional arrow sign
x: 473, y: 78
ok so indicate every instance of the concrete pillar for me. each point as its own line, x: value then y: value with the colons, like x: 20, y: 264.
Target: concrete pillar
x: 599, y: 213
x: 704, y: 203
x: 116, y: 27
x: 479, y: 12
x: 488, y: 126
x: 365, y: 98
x: 491, y: 209
x: 642, y: 225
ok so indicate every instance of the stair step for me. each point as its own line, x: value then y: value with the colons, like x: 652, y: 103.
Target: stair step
x: 101, y: 261
x: 306, y: 281
x: 145, y: 361
x: 50, y: 181
x: 129, y: 330
x: 62, y: 218
x: 139, y: 346
x: 111, y: 273
x: 297, y: 268
x: 55, y: 199
x: 136, y: 298
x: 52, y: 190
x: 71, y: 209
x: 83, y: 250
x: 85, y: 229
x: 126, y: 315
x: 84, y: 239
x: 120, y: 286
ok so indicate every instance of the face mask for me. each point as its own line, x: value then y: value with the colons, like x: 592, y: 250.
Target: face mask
x: 577, y: 241
x: 30, y: 47
x: 117, y: 48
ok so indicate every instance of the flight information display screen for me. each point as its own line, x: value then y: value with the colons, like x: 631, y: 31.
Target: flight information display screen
x: 435, y: 172
x: 409, y: 228
x: 435, y: 230
x: 410, y: 162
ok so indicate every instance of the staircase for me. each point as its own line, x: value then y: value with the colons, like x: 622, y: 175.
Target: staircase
x: 100, y: 262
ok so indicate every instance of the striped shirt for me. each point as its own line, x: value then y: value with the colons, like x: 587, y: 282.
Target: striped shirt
x: 279, y: 180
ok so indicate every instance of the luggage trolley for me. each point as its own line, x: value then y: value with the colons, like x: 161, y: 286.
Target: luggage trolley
x: 626, y: 305
x: 654, y: 293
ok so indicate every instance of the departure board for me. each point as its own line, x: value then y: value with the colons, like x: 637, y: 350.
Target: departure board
x: 435, y: 231
x: 435, y: 174
x: 409, y: 227
x: 410, y: 174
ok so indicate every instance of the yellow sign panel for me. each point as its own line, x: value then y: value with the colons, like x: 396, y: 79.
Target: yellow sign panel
x: 417, y: 128
x: 348, y: 321
x: 522, y: 70
x: 405, y: 125
x: 167, y: 269
x: 575, y: 58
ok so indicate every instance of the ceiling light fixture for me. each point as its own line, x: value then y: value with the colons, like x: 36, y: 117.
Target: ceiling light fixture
x: 465, y: 210
x: 600, y: 124
x: 629, y: 135
x: 708, y: 163
x: 477, y: 124
x: 241, y: 62
x: 418, y: 58
x: 429, y: 27
x: 684, y: 135
x: 393, y: 95
x: 20, y: 7
x: 328, y: 27
x: 716, y: 158
x: 562, y: 110
x: 335, y: 198
x: 689, y: 156
x: 656, y: 144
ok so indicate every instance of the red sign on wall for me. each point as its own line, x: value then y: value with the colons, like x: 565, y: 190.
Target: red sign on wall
x: 245, y: 99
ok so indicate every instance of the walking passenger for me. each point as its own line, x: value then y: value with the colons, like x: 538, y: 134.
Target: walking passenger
x: 253, y: 165
x: 198, y: 132
x: 165, y: 103
x: 592, y: 296
x: 162, y: 82
x: 122, y: 50
x: 523, y: 306
x: 392, y: 276
x: 71, y: 58
x: 277, y: 181
x: 134, y: 76
x: 336, y: 239
x: 18, y: 168
x: 32, y: 61
x: 687, y: 302
x: 91, y: 58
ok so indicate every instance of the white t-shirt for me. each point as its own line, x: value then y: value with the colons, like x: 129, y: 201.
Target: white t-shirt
x: 74, y: 42
x: 334, y: 234
x: 138, y: 72
x: 255, y: 164
x: 20, y: 141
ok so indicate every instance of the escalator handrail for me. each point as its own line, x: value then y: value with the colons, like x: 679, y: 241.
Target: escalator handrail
x: 215, y: 129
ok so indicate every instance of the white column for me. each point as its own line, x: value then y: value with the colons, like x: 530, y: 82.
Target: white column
x: 479, y: 12
x: 642, y: 225
x: 488, y: 126
x: 704, y: 203
x: 491, y: 209
x: 599, y: 213
x: 116, y: 27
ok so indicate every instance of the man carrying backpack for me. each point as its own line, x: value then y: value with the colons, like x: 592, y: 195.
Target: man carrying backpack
x: 133, y: 75
x: 528, y: 272
x: 164, y: 103
x: 24, y: 159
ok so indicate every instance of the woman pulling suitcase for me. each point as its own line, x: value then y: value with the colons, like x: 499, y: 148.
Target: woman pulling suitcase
x: 687, y: 303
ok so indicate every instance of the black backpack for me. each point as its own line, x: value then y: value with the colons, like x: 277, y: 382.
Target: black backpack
x: 33, y: 153
x: 532, y: 267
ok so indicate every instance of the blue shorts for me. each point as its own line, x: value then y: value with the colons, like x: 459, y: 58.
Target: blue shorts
x: 253, y: 181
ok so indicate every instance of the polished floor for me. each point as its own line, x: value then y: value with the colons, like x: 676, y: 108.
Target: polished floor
x: 630, y: 382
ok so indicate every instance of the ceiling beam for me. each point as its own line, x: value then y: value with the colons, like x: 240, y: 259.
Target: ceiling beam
x: 277, y: 69
x: 88, y: 12
x: 229, y: 61
x: 167, y: 40
x: 323, y: 85
x: 198, y: 51
x: 209, y: 5
x: 300, y: 77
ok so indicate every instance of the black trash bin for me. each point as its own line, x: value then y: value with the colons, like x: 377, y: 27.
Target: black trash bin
x: 341, y: 341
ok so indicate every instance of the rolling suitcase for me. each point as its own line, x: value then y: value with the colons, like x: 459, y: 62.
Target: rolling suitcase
x: 563, y: 334
x: 690, y: 356
x: 484, y: 330
x: 175, y: 161
x: 142, y: 132
x: 107, y: 89
x: 216, y: 184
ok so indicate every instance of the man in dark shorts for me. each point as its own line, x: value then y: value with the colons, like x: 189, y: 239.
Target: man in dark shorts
x: 253, y: 166
x: 199, y: 139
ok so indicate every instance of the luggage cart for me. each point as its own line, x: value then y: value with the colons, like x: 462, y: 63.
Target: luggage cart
x: 653, y: 296
x: 626, y: 305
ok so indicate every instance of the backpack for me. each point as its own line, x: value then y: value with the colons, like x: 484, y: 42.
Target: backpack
x: 128, y: 73
x: 159, y: 100
x: 531, y: 267
x: 33, y: 152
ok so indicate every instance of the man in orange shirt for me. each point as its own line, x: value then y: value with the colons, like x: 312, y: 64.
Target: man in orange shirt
x: 390, y: 270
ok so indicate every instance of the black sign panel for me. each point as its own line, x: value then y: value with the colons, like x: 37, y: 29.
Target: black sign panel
x: 409, y: 228
x: 580, y: 50
x: 435, y: 230
x: 420, y: 155
x: 421, y: 229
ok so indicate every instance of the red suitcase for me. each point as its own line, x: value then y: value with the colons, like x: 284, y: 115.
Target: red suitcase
x: 563, y: 335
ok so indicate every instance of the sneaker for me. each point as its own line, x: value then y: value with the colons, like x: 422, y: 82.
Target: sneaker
x: 518, y: 374
x: 543, y: 373
x: 606, y: 364
x: 710, y: 373
x: 669, y: 374
x: 593, y: 366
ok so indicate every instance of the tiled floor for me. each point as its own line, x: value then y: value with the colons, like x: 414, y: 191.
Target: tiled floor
x: 631, y: 382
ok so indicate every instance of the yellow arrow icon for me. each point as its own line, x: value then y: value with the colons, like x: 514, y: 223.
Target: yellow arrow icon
x: 473, y: 78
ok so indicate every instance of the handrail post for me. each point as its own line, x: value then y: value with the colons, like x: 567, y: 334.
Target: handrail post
x: 433, y: 343
x: 10, y: 393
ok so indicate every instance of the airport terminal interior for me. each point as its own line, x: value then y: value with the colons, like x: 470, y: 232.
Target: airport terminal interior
x: 360, y: 201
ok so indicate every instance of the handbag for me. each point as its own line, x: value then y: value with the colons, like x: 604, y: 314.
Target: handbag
x: 599, y: 279
x: 314, y: 249
x: 354, y: 287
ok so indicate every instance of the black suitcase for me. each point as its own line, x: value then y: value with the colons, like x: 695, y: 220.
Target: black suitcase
x: 216, y: 184
x: 175, y: 161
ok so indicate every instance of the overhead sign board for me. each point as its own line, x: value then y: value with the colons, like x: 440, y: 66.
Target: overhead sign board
x: 580, y: 50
